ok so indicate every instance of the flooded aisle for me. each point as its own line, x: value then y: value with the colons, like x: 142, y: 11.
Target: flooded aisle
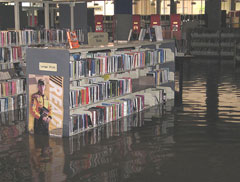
x: 197, y: 140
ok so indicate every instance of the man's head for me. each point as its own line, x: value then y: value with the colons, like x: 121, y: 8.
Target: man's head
x: 41, y: 86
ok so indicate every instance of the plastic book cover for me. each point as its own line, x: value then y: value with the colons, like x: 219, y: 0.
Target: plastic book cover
x: 72, y: 40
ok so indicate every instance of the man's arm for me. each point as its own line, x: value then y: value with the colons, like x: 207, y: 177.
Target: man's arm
x: 34, y: 108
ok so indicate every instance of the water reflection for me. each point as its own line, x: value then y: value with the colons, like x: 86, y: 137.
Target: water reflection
x: 14, y: 152
x: 196, y: 141
x: 113, y: 153
x: 47, y: 158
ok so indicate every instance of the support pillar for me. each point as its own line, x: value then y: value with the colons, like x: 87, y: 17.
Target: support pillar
x: 233, y: 5
x: 46, y: 15
x: 173, y: 7
x: 158, y: 6
x: 213, y: 13
x: 52, y: 17
x: 33, y: 18
x: 72, y: 15
x: 17, y: 15
x: 123, y: 19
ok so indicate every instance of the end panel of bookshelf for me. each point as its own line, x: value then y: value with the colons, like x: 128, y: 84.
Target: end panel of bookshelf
x: 52, y: 66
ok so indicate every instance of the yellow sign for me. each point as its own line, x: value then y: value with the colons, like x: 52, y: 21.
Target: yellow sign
x: 47, y: 66
x: 106, y: 77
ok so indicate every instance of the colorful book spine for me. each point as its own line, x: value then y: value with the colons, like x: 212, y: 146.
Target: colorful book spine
x: 105, y: 113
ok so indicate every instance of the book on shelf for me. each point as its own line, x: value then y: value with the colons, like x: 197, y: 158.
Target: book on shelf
x: 72, y: 40
x: 12, y: 87
x: 12, y: 102
x: 161, y: 75
x: 106, y: 112
x: 98, y: 88
x: 158, y: 33
x: 121, y: 62
x: 92, y: 93
x: 130, y: 34
x: 4, y: 75
x: 12, y: 116
x: 142, y: 34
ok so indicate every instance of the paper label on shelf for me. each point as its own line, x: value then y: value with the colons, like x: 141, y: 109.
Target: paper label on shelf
x: 97, y: 38
x: 106, y: 77
x: 48, y: 67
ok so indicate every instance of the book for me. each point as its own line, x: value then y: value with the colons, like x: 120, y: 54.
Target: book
x: 130, y: 35
x: 72, y: 40
x: 158, y: 33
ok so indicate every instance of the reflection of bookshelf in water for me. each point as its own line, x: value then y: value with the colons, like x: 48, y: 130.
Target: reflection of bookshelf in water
x: 14, y: 152
x: 123, y: 146
x: 109, y: 130
x: 12, y: 123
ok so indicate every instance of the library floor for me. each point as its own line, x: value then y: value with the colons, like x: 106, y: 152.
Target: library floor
x: 196, y: 141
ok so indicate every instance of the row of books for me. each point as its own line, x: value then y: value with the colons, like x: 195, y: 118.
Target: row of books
x: 12, y: 87
x: 11, y: 117
x: 111, y: 129
x: 28, y: 37
x: 11, y: 54
x: 12, y: 65
x: 161, y: 75
x: 105, y: 113
x: 107, y: 64
x: 12, y: 103
x: 95, y: 92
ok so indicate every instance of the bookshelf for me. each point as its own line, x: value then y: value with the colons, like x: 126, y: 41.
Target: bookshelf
x: 13, y: 45
x: 53, y: 66
x: 206, y: 42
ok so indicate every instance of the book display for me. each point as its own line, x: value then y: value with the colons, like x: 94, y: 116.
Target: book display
x: 84, y: 88
x: 72, y: 40
x: 13, y: 45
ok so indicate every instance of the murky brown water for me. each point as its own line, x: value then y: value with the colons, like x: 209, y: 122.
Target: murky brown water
x: 197, y: 141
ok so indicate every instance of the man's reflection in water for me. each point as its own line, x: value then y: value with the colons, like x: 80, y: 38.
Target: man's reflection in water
x: 41, y: 156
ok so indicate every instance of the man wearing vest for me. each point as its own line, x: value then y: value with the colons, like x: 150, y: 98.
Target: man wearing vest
x: 41, y: 110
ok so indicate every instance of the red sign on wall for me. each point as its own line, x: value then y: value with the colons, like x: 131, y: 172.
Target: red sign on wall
x: 175, y: 22
x: 136, y: 23
x: 155, y: 20
x: 176, y: 26
x: 98, y: 23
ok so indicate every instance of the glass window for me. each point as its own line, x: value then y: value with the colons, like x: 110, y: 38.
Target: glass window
x: 237, y: 6
x: 226, y: 5
x: 165, y: 7
x: 102, y: 7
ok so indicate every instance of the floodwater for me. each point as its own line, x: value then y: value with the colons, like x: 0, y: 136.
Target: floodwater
x: 198, y: 140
